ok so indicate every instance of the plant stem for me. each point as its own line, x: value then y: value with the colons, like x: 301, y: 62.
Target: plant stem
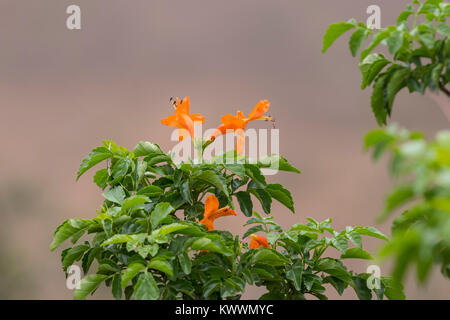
x: 444, y: 89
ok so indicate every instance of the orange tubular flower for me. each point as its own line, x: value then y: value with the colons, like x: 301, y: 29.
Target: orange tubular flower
x: 258, y: 241
x: 212, y: 212
x: 182, y: 119
x: 238, y: 123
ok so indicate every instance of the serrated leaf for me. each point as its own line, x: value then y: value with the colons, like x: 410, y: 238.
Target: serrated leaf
x: 270, y: 257
x: 69, y: 228
x: 212, y: 178
x: 115, y: 194
x: 120, y: 168
x: 161, y: 211
x: 72, y: 255
x: 395, y: 41
x: 88, y: 285
x: 146, y: 288
x: 130, y: 272
x: 356, y: 253
x: 101, y: 178
x: 96, y: 156
x: 357, y: 39
x: 161, y: 265
x: 279, y: 193
x: 333, y: 32
x: 133, y: 202
x: 370, y: 67
x: 397, y: 81
x: 379, y: 99
x: 145, y: 148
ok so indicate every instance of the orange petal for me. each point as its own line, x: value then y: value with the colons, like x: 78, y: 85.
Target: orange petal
x: 240, y: 142
x: 208, y: 224
x: 258, y: 111
x: 170, y: 121
x: 258, y: 241
x: 218, y: 131
x: 223, y: 212
x: 186, y: 123
x: 211, y: 205
x: 254, y: 244
x: 197, y: 118
x: 240, y: 115
x: 233, y: 122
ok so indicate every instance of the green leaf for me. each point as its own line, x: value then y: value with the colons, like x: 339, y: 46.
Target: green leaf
x: 396, y: 198
x: 356, y: 253
x: 379, y: 100
x: 148, y: 250
x: 210, y: 177
x: 264, y: 198
x: 370, y: 67
x: 146, y: 288
x: 361, y: 289
x: 120, y: 168
x: 355, y: 238
x: 72, y: 255
x: 371, y: 232
x: 295, y: 273
x: 161, y: 211
x: 237, y: 169
x: 245, y: 203
x: 211, y: 286
x: 395, y: 41
x: 151, y: 191
x: 393, y: 289
x: 255, y: 174
x: 133, y: 202
x: 207, y: 244
x: 161, y: 265
x: 185, y: 262
x: 117, y: 238
x: 96, y: 156
x: 281, y: 194
x: 277, y: 162
x: 116, y: 287
x: 270, y: 257
x: 444, y: 29
x: 333, y: 32
x: 334, y: 268
x: 376, y: 40
x: 185, y: 191
x: 101, y: 178
x: 129, y: 273
x: 145, y: 148
x: 397, y: 81
x: 115, y: 194
x: 357, y: 39
x: 340, y: 243
x: 69, y: 228
x: 178, y: 228
x: 88, y: 285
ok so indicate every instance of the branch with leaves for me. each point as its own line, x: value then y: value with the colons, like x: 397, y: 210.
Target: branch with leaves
x: 419, y: 45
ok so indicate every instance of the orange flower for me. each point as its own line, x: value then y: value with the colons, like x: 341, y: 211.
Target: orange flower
x: 238, y: 123
x: 212, y: 212
x: 182, y: 119
x: 258, y: 241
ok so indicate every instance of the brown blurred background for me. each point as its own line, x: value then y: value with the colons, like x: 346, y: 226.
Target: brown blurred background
x: 64, y: 91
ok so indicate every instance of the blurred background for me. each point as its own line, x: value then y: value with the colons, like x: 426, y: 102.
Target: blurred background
x: 64, y: 91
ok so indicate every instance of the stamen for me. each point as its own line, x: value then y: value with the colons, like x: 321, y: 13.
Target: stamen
x: 173, y: 102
